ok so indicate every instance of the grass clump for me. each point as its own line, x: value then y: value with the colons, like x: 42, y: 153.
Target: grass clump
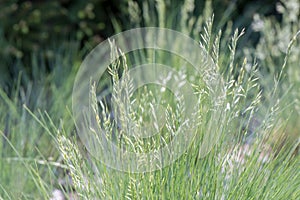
x: 247, y: 162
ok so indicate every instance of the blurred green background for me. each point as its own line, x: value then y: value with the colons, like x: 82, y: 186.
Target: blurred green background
x: 44, y: 28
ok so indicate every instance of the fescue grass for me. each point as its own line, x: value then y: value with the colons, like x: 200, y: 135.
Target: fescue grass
x: 256, y: 154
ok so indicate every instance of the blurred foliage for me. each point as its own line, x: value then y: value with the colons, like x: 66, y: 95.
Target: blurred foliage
x: 278, y: 52
x: 30, y: 25
x: 30, y: 28
x: 240, y: 12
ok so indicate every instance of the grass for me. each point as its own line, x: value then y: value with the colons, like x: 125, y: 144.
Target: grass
x: 256, y: 156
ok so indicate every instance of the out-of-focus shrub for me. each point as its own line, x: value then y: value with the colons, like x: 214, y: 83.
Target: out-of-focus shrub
x: 30, y: 29
x: 31, y: 26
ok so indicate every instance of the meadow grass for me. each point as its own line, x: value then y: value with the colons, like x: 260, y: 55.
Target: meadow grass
x: 256, y: 154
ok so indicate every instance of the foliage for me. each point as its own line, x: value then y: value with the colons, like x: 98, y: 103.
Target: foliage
x: 278, y: 53
x: 248, y: 162
x: 30, y: 26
